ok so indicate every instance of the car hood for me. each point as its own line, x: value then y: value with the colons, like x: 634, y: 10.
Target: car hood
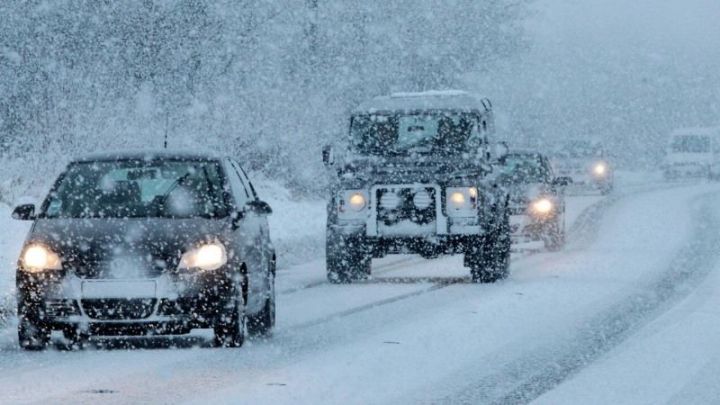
x: 367, y: 171
x: 123, y: 247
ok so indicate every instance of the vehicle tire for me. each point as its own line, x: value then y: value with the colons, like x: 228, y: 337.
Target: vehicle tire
x: 230, y: 328
x: 33, y: 334
x: 489, y: 259
x: 262, y: 323
x: 347, y: 259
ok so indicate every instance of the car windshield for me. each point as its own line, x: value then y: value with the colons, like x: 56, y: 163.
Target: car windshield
x: 691, y: 144
x: 136, y: 189
x: 442, y: 133
x: 523, y: 168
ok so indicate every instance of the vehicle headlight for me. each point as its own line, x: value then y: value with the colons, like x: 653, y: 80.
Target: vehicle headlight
x: 461, y: 201
x: 37, y: 258
x: 352, y: 203
x: 600, y: 169
x: 357, y: 202
x: 205, y: 257
x: 542, y: 206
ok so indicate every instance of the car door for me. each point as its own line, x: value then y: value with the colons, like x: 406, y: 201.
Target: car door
x: 268, y: 250
x: 248, y: 243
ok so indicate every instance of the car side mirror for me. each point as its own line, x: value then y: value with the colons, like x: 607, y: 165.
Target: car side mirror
x: 328, y: 156
x: 562, y: 181
x: 259, y: 207
x: 24, y: 212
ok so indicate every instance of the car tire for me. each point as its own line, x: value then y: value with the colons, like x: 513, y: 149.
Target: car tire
x: 262, y: 323
x: 230, y: 328
x: 33, y: 334
x: 347, y: 259
x: 489, y: 258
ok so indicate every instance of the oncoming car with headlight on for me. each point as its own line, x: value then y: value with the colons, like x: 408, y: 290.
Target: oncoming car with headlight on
x: 147, y: 243
x: 537, y: 202
x: 587, y: 163
x: 416, y: 177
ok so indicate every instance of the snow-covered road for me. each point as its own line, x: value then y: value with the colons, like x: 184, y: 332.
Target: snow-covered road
x: 641, y: 271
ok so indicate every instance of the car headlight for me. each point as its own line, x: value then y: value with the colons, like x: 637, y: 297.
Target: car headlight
x: 461, y: 201
x: 205, y: 257
x: 37, y: 258
x: 542, y: 206
x: 357, y: 202
x: 600, y: 169
x: 352, y: 203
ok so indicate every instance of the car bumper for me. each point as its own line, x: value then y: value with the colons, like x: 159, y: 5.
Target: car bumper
x: 430, y: 244
x: 164, y: 304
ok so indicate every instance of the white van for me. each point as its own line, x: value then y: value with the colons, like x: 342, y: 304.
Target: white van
x: 693, y: 152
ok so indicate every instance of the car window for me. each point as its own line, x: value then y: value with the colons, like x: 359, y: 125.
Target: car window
x: 239, y: 190
x: 246, y: 180
x: 138, y: 188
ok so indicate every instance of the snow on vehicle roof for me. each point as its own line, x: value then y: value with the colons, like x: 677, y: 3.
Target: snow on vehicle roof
x: 711, y: 131
x: 149, y: 154
x: 426, y: 100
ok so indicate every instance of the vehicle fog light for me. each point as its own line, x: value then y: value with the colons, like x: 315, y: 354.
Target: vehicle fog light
x: 422, y: 199
x: 390, y: 200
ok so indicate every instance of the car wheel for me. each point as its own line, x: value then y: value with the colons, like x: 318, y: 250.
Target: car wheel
x: 347, y: 260
x: 262, y: 323
x: 32, y: 333
x: 489, y: 259
x: 230, y: 328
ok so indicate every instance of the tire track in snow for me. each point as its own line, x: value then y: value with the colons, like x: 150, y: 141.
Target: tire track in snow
x: 546, y: 368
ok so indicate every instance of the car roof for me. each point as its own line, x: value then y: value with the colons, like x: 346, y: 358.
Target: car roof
x: 457, y: 100
x: 148, y: 154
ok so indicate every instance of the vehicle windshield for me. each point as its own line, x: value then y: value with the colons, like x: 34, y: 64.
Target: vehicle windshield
x: 432, y: 133
x: 523, y: 168
x: 137, y: 189
x: 690, y: 144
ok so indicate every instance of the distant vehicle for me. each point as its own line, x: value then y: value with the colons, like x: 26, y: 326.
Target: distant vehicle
x: 586, y: 163
x: 537, y: 199
x: 693, y: 152
x: 417, y: 178
x: 147, y: 243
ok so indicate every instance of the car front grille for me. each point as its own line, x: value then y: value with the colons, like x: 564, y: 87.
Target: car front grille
x: 61, y: 308
x: 118, y: 308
